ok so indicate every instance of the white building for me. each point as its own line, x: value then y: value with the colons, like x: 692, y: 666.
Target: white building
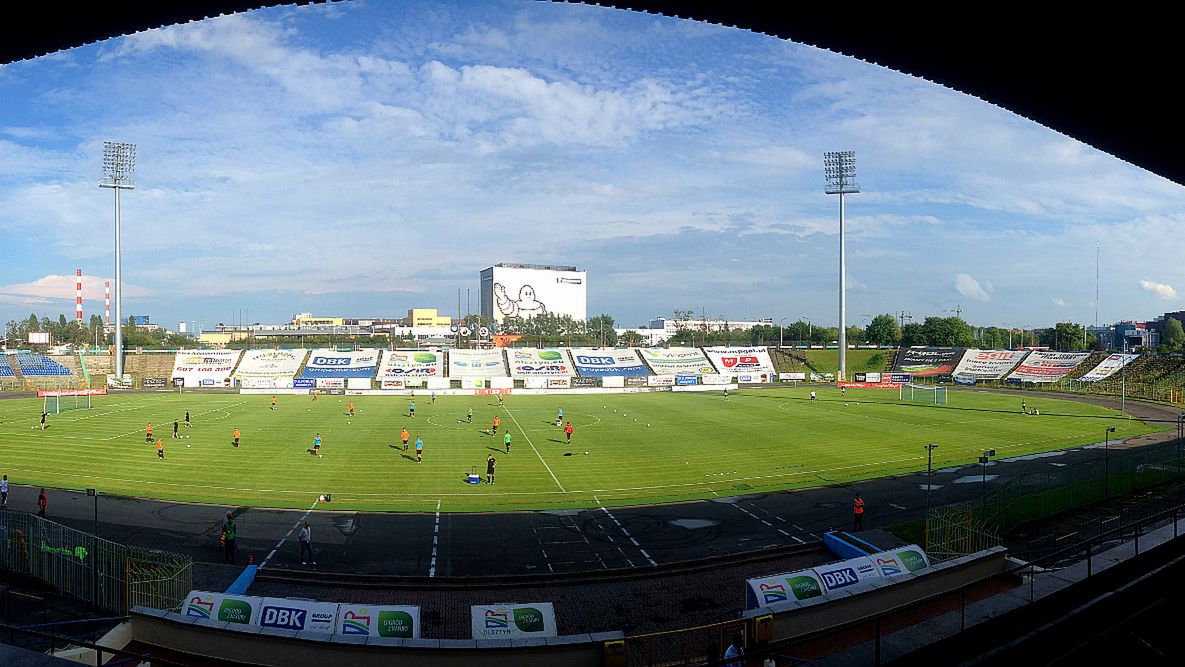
x: 527, y: 290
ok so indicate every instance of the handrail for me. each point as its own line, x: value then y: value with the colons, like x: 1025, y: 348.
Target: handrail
x: 67, y: 641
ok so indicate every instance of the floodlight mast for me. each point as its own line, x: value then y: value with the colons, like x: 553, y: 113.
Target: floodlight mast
x: 840, y: 169
x: 119, y: 173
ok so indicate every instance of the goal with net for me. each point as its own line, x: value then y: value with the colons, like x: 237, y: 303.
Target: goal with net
x: 57, y: 401
x: 918, y: 393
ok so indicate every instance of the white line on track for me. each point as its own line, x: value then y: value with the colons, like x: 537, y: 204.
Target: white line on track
x: 521, y: 430
x: 435, y: 541
x: 782, y: 532
x: 295, y: 526
x: 624, y: 531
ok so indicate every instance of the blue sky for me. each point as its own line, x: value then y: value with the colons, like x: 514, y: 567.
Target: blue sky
x: 363, y: 158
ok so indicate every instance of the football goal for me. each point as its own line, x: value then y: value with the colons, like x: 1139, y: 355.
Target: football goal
x: 916, y: 393
x: 56, y: 405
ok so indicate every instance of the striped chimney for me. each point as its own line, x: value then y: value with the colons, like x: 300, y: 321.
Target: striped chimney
x: 107, y: 299
x: 78, y: 296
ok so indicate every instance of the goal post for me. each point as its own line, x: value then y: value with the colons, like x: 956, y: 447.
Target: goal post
x: 916, y: 393
x: 57, y: 404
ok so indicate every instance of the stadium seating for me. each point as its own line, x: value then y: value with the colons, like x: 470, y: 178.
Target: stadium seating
x: 5, y: 369
x: 1087, y: 365
x: 34, y: 365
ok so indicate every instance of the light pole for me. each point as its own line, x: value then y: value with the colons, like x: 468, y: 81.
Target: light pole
x: 929, y: 488
x: 1107, y: 462
x: 839, y: 167
x: 987, y: 455
x: 781, y: 333
x: 119, y: 172
x: 809, y: 331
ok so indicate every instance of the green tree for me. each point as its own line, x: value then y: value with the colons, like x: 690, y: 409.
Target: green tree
x: 631, y: 339
x: 913, y: 334
x: 1173, y: 338
x: 883, y: 330
x: 947, y: 332
x: 1065, y: 336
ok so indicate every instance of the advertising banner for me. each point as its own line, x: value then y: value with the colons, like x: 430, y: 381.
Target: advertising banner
x: 872, y: 377
x: 298, y: 615
x: 358, y: 383
x: 752, y: 378
x: 715, y: 379
x: 615, y: 381
x: 677, y: 361
x: 1043, y: 366
x: 802, y: 585
x: 476, y: 363
x: 634, y: 381
x: 101, y: 391
x: 1107, y: 367
x: 584, y: 382
x: 303, y: 383
x: 741, y: 360
x: 792, y: 377
x: 501, y: 383
x: 535, y: 383
x: 513, y: 621
x: 240, y: 609
x: 528, y: 362
x: 558, y: 383
x: 474, y: 383
x: 900, y: 378
x: 683, y: 380
x: 927, y: 361
x: 400, y: 364
x: 378, y: 621
x: 331, y: 383
x: 868, y: 385
x: 419, y: 382
x: 391, y: 384
x: 270, y: 363
x: 331, y: 363
x: 662, y: 380
x: 846, y: 573
x: 205, y: 368
x: 902, y: 560
x: 431, y: 383
x: 988, y: 364
x: 591, y: 362
x: 154, y: 383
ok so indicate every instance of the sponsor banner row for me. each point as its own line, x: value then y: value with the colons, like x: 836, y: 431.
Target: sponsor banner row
x: 329, y: 617
x: 826, y: 580
x: 331, y: 363
x: 101, y: 391
x: 870, y: 385
x: 590, y: 362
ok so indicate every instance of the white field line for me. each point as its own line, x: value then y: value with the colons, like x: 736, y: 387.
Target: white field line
x: 520, y: 430
x: 625, y: 532
x: 295, y: 526
x: 225, y: 410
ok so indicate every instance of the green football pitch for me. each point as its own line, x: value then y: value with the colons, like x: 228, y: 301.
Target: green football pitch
x: 626, y: 449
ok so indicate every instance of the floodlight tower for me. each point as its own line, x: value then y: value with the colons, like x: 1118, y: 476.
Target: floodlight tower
x: 119, y: 173
x: 840, y: 169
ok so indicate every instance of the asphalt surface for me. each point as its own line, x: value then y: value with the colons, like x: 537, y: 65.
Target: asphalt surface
x: 560, y: 541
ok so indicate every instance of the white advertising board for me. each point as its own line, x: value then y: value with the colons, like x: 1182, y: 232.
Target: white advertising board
x: 741, y: 360
x: 1044, y: 366
x: 677, y: 361
x: 270, y: 363
x: 378, y: 621
x: 476, y: 363
x: 530, y: 362
x: 613, y: 381
x: 1107, y: 367
x: 513, y: 621
x: 527, y: 292
x: 205, y: 368
x: 988, y: 364
x: 400, y: 364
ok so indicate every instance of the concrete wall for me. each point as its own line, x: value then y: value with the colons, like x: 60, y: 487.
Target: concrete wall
x: 225, y: 641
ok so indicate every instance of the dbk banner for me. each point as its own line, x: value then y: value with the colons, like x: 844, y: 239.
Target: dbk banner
x: 606, y: 362
x: 331, y: 363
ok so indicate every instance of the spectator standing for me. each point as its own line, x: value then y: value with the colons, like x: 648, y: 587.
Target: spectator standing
x: 735, y: 652
x: 42, y: 501
x: 306, y: 545
x: 4, y: 493
x: 858, y: 513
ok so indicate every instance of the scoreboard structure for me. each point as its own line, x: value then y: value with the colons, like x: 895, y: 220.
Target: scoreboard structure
x: 527, y: 290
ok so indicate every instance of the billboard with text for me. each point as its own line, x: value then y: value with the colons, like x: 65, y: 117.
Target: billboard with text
x: 751, y: 361
x: 926, y: 361
x: 1107, y: 367
x: 476, y: 363
x: 1044, y: 366
x: 677, y: 361
x: 331, y: 363
x: 602, y: 362
x: 205, y: 368
x: 528, y: 362
x: 988, y: 364
x: 401, y: 364
x: 270, y: 363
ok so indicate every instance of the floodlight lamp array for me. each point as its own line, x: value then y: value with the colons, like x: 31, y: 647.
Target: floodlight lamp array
x: 839, y: 167
x: 119, y: 165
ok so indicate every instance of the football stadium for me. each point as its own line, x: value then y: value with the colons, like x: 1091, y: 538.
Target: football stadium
x: 526, y: 483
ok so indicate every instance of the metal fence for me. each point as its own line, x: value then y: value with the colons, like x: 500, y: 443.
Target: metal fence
x: 108, y: 575
x: 699, y: 645
x: 964, y: 528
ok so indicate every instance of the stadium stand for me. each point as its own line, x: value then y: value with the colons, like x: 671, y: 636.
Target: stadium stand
x: 1087, y: 365
x: 148, y: 365
x: 40, y: 365
x: 5, y: 369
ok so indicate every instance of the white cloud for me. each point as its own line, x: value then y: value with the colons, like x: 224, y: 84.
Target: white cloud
x: 1060, y: 303
x: 970, y: 288
x: 1161, y: 290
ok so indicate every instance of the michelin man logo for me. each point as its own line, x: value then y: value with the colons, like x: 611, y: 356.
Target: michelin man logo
x: 525, y: 306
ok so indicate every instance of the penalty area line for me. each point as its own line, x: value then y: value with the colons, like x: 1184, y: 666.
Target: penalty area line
x: 523, y: 431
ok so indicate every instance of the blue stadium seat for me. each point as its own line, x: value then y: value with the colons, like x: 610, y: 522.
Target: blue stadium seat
x: 34, y: 365
x: 5, y: 369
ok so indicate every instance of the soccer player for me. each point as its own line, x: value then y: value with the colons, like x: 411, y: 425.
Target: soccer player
x: 726, y: 393
x: 469, y: 417
x: 419, y: 449
x: 273, y: 402
x: 568, y: 432
x: 508, y: 442
x: 501, y: 401
x: 490, y: 464
x: 160, y: 449
x: 497, y: 423
x: 148, y: 434
x: 187, y: 424
x: 1024, y: 406
x: 314, y: 392
x: 559, y: 419
x: 43, y: 416
x: 433, y: 398
x: 317, y: 445
x: 812, y: 395
x: 843, y: 391
x: 404, y: 436
x: 411, y: 411
x: 236, y: 442
x: 176, y: 429
x: 351, y: 406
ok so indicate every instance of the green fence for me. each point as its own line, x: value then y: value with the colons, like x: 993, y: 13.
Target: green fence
x: 108, y: 575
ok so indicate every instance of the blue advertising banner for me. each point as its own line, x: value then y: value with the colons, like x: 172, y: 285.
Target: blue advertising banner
x: 304, y: 383
x: 333, y: 364
x: 592, y: 362
x: 686, y: 379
